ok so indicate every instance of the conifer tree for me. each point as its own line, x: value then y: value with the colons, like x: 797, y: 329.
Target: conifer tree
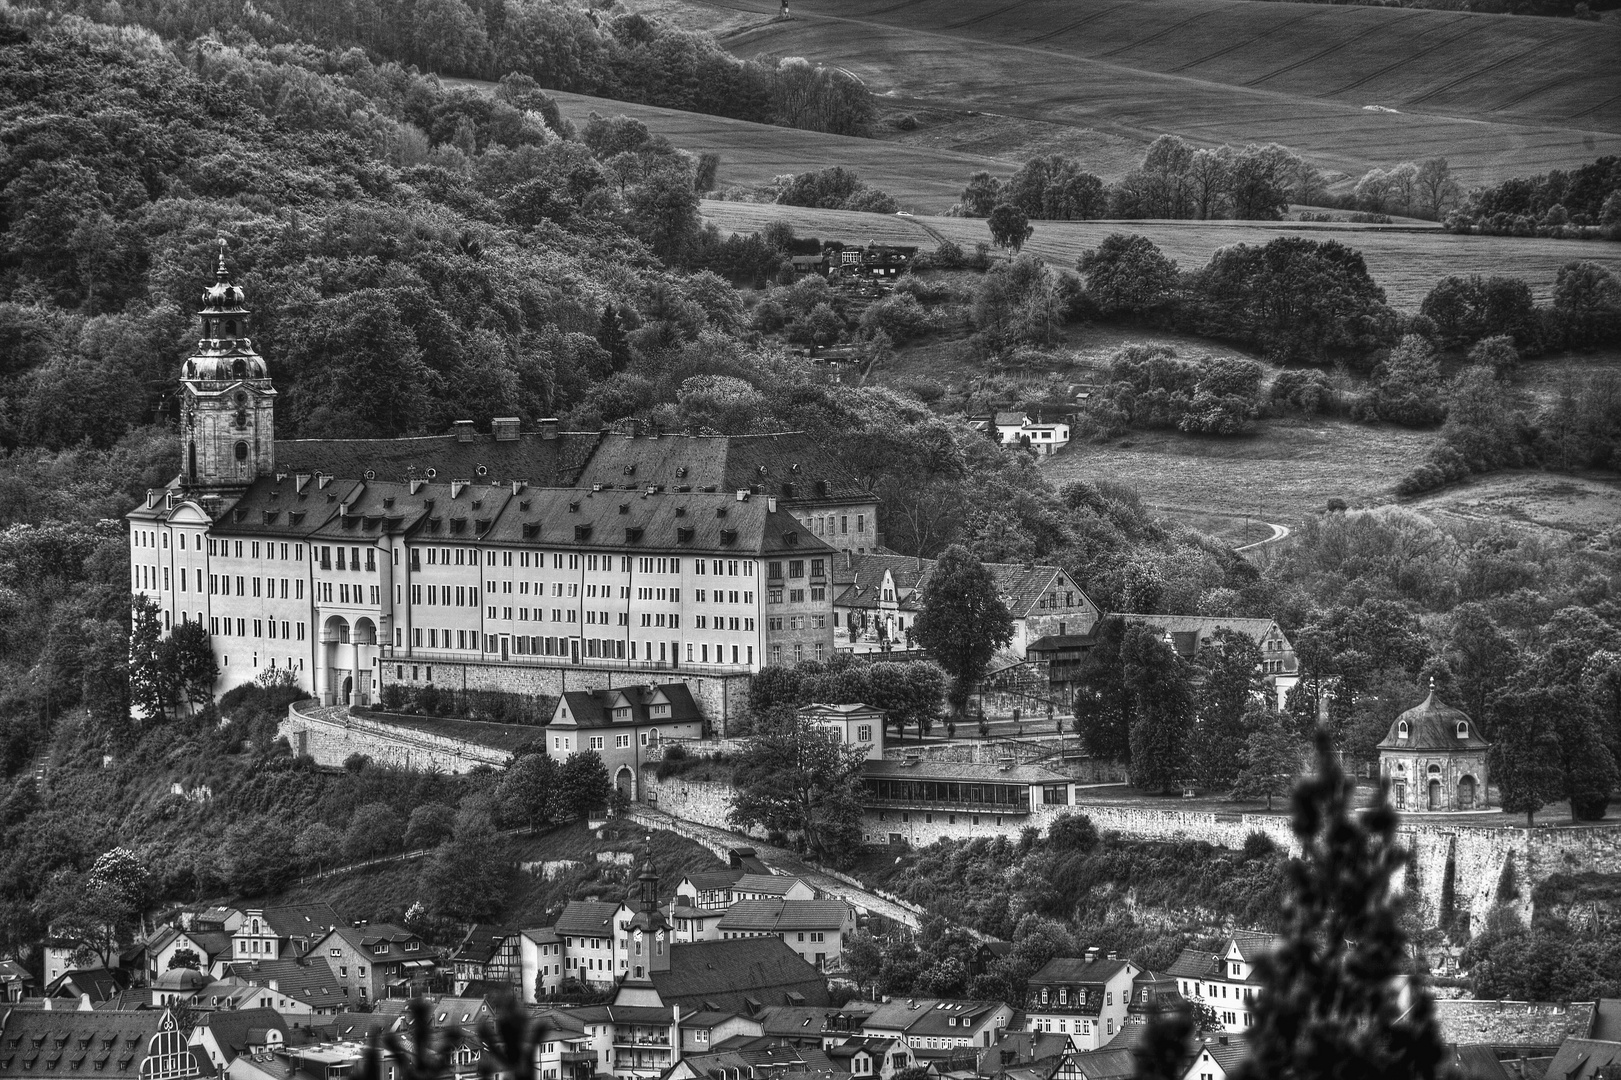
x: 1329, y: 1005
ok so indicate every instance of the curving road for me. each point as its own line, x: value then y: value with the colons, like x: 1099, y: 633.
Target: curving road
x: 1279, y: 532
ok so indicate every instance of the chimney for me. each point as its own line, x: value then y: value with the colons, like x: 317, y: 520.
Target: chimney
x: 1112, y: 955
x: 464, y: 430
x: 771, y: 504
x: 1092, y: 954
x: 1004, y: 764
x: 630, y: 427
x: 548, y: 427
x: 742, y: 495
x: 505, y: 428
x: 912, y: 758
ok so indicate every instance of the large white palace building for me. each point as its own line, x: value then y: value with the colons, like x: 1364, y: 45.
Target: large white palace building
x: 356, y: 562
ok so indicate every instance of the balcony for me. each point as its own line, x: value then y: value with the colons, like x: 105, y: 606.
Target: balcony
x: 579, y: 1057
x: 639, y: 1041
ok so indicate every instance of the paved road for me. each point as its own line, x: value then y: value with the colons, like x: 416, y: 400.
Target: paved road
x: 779, y: 859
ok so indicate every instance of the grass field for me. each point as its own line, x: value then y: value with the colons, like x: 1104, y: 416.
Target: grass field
x: 921, y: 177
x: 1290, y: 469
x: 1406, y: 263
x: 1498, y: 95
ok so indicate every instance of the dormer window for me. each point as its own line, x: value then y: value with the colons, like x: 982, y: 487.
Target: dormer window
x: 1401, y: 729
x: 1463, y: 729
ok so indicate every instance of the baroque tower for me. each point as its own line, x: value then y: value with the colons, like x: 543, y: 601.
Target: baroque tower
x: 228, y: 409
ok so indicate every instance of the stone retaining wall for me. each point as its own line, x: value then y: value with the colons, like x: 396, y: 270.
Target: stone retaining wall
x: 331, y: 734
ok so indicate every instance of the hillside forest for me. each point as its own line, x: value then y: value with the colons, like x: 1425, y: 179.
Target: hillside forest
x: 416, y: 254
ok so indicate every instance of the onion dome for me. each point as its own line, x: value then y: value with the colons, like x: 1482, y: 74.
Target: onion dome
x: 225, y: 352
x: 1433, y: 725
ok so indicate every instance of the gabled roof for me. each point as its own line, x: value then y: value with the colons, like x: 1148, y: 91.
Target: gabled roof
x: 99, y: 983
x: 1188, y: 632
x: 713, y: 880
x: 301, y: 920
x: 769, y: 884
x: 1020, y: 585
x: 482, y: 943
x: 1254, y: 944
x: 381, y: 942
x: 236, y: 1029
x: 593, y: 708
x: 1228, y: 1051
x: 743, y: 974
x: 1576, y: 1059
x: 68, y: 1043
x: 586, y: 918
x: 552, y: 462
x: 776, y: 916
x: 790, y: 465
x: 1479, y: 1062
x: 308, y: 980
x: 1113, y: 1063
x: 1077, y: 970
x: 953, y: 1016
x: 1432, y: 724
x: 1513, y: 1023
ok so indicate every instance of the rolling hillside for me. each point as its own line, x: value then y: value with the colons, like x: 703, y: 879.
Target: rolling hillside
x: 751, y: 154
x: 1498, y: 95
x: 1406, y: 262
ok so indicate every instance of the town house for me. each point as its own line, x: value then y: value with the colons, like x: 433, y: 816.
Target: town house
x: 626, y: 726
x: 1085, y: 998
x: 374, y: 960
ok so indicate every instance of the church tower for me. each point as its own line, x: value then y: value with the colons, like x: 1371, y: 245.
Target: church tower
x: 227, y: 425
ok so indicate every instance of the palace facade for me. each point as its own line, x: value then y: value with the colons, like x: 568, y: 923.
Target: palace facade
x: 354, y: 562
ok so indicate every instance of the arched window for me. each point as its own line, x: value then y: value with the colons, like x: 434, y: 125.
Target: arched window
x: 1463, y: 729
x: 239, y: 368
x: 1401, y: 730
x: 241, y: 451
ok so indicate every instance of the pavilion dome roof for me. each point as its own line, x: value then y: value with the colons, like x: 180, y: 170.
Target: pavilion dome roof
x: 1432, y: 724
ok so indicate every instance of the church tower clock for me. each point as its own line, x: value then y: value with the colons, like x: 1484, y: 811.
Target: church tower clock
x: 227, y: 402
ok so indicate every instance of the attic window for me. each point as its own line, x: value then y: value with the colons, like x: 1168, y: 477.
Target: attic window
x: 728, y: 537
x: 582, y: 532
x: 684, y: 534
x: 523, y: 504
x: 633, y: 534
x: 791, y: 539
x: 681, y: 511
x: 624, y: 508
x: 574, y: 507
x: 720, y: 512
x: 1463, y: 729
x: 1401, y: 729
x: 531, y: 530
x: 630, y: 470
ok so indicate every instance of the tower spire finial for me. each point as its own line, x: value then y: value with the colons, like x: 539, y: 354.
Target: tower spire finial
x: 221, y: 272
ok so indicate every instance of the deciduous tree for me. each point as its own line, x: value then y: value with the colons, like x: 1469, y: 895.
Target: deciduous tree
x: 963, y: 621
x: 798, y: 776
x: 1162, y: 696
